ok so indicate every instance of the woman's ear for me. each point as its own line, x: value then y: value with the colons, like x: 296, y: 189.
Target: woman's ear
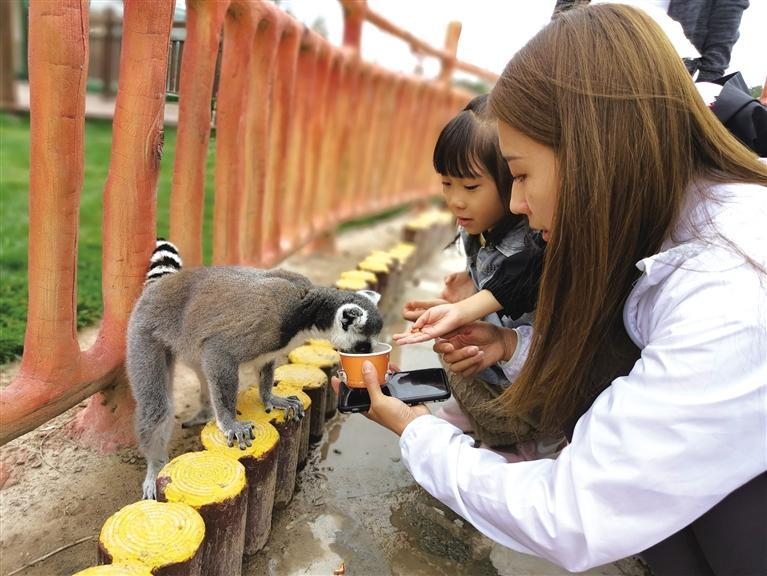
x: 374, y: 297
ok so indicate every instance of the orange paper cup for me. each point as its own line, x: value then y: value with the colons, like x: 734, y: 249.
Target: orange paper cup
x: 352, y: 365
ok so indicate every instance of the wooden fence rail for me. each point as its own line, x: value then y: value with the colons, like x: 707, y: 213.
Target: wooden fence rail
x: 307, y: 135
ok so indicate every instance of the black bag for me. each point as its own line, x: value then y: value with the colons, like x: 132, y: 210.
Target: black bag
x: 741, y: 113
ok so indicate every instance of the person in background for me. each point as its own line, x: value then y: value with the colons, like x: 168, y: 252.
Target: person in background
x: 711, y: 25
x: 649, y: 349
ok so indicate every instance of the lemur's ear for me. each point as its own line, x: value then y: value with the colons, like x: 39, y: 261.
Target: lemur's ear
x: 349, y: 315
x: 374, y: 297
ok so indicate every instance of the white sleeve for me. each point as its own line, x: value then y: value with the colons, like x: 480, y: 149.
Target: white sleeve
x: 513, y: 366
x: 656, y: 450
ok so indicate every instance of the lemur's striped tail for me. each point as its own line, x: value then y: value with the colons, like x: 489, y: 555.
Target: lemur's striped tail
x: 165, y: 260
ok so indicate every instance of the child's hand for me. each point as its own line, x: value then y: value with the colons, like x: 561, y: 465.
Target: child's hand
x: 413, y: 310
x: 436, y: 321
x: 458, y: 286
x: 476, y: 346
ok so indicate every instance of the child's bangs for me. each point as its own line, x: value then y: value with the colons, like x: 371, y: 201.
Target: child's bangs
x: 458, y: 150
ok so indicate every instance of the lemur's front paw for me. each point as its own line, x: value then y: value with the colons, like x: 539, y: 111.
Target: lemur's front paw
x: 241, y: 432
x: 292, y: 405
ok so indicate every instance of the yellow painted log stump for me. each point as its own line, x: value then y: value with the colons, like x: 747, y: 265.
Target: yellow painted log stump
x: 313, y: 382
x: 351, y: 284
x: 381, y: 269
x: 249, y: 407
x: 166, y: 538
x: 216, y: 486
x: 260, y: 462
x: 286, y: 389
x: 115, y: 570
x: 404, y: 252
x: 327, y: 360
x: 369, y: 277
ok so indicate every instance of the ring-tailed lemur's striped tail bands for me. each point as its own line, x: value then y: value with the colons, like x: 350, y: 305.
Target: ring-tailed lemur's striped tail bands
x: 165, y: 260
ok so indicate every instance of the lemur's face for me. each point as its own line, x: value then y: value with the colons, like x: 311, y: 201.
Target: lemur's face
x: 357, y: 323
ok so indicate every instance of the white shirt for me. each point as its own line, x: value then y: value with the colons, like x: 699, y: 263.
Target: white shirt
x: 660, y: 446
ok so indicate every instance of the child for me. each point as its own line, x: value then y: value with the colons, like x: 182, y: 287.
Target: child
x: 500, y: 253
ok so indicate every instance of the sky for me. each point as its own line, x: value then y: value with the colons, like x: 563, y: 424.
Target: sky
x: 492, y: 31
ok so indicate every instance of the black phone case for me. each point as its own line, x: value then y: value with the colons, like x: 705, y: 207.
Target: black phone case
x: 357, y: 400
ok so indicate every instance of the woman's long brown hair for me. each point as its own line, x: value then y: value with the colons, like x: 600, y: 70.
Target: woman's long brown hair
x: 603, y: 87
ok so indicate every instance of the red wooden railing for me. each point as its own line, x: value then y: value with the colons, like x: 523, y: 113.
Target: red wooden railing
x: 307, y: 135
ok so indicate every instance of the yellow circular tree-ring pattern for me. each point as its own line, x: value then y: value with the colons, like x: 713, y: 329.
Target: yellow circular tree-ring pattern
x: 154, y: 534
x: 302, y: 375
x: 116, y: 570
x: 266, y: 437
x: 320, y: 356
x: 321, y: 341
x: 365, y: 275
x: 352, y: 284
x: 200, y: 478
x: 250, y: 407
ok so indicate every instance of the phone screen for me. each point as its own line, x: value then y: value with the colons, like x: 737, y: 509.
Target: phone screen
x: 425, y: 385
x: 412, y: 387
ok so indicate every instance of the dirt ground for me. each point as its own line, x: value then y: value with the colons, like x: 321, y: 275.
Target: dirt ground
x: 355, y: 503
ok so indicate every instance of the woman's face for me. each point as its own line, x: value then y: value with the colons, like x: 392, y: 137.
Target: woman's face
x: 536, y: 177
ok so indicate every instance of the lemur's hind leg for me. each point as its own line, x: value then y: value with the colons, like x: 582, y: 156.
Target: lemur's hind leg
x: 150, y: 371
x: 205, y: 413
x: 222, y: 374
x: 291, y: 404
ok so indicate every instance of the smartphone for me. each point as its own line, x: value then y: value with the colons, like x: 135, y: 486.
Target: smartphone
x: 410, y: 386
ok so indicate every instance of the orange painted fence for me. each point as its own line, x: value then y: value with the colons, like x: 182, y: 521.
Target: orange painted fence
x: 307, y: 135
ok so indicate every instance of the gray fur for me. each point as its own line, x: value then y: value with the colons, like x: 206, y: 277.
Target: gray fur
x: 215, y: 319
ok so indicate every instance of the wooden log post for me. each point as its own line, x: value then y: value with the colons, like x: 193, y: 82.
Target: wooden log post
x: 326, y: 359
x: 286, y: 390
x: 351, y: 284
x: 260, y: 462
x: 115, y: 570
x: 312, y: 381
x: 250, y: 407
x: 215, y: 485
x: 383, y: 271
x: 166, y: 538
x: 369, y: 277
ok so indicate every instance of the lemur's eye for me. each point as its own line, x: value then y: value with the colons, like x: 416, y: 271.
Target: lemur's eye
x: 349, y: 315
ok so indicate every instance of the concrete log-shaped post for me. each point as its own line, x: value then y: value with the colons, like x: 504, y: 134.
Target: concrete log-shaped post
x: 257, y: 128
x: 382, y: 269
x: 166, y: 538
x: 115, y: 570
x: 312, y: 381
x: 279, y: 132
x: 228, y: 210
x: 215, y: 485
x: 204, y: 23
x: 297, y: 231
x: 260, y: 462
x: 130, y: 203
x: 326, y: 359
x: 250, y: 407
x: 286, y: 390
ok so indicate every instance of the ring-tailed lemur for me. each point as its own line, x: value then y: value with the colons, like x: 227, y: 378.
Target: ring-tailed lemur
x: 215, y: 319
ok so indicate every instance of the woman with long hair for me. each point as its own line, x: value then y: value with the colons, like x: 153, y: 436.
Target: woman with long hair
x: 650, y: 343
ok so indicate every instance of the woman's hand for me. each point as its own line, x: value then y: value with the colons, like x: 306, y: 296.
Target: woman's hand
x: 432, y: 323
x: 458, y: 286
x: 413, y: 309
x: 385, y: 410
x: 476, y: 346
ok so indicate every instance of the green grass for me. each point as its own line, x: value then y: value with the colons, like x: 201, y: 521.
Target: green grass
x: 14, y: 222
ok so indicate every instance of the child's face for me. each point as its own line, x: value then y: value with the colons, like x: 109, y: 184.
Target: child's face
x: 474, y: 202
x: 536, y: 177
